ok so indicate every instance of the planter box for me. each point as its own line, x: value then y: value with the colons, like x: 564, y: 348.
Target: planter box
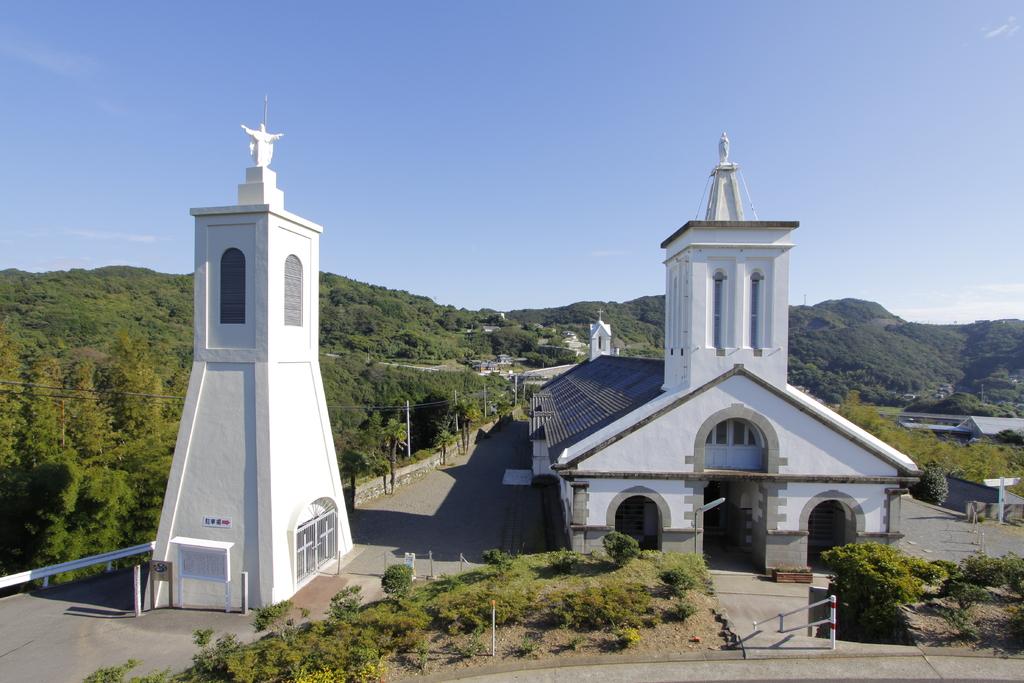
x: 792, y: 577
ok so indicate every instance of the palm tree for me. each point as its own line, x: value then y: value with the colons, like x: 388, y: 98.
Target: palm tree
x: 394, y: 436
x: 443, y: 441
x: 355, y: 464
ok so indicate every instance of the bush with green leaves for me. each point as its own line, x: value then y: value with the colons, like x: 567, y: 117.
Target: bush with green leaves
x: 620, y: 547
x: 679, y: 580
x: 965, y: 595
x: 498, y: 559
x: 397, y: 581
x: 564, y: 561
x: 683, y: 609
x: 1017, y: 623
x: 628, y: 637
x: 872, y: 581
x: 345, y: 604
x: 615, y: 603
x: 395, y: 626
x: 982, y: 570
x: 960, y: 621
x: 932, y: 487
x: 271, y: 617
x: 467, y: 609
x: 1013, y: 573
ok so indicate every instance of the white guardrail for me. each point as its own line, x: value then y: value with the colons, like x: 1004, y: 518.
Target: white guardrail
x: 45, y: 573
x: 830, y: 620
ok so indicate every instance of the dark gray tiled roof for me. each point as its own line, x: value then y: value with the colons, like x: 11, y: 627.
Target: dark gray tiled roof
x: 590, y: 396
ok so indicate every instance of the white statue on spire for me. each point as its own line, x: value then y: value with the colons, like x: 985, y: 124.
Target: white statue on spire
x: 261, y: 144
x: 723, y: 149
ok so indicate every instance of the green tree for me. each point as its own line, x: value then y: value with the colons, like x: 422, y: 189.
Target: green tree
x: 394, y: 436
x: 88, y: 420
x: 444, y: 441
x: 355, y: 464
x: 42, y: 435
x: 11, y: 419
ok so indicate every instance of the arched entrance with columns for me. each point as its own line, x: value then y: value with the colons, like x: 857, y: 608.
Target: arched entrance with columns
x: 830, y: 519
x: 641, y: 513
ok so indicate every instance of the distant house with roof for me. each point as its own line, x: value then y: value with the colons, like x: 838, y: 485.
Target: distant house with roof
x: 990, y: 427
x: 643, y: 446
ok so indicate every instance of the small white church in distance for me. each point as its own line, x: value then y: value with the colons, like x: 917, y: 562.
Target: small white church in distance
x: 640, y: 445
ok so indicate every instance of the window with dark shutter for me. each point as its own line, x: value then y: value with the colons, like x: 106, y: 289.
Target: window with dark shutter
x: 717, y: 306
x: 293, y: 291
x: 232, y: 287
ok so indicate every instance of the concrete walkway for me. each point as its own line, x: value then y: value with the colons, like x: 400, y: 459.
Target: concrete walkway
x: 917, y: 665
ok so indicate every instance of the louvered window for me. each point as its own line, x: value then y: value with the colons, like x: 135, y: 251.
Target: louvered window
x: 718, y: 314
x: 232, y: 287
x: 755, y: 310
x: 293, y: 291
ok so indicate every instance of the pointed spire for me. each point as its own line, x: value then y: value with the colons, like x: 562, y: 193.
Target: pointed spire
x: 724, y: 202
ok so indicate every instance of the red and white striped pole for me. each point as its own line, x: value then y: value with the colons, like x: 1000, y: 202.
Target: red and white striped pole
x: 832, y: 619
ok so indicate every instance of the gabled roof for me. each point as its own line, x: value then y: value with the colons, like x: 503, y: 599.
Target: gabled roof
x: 792, y: 395
x: 591, y: 396
x: 990, y: 426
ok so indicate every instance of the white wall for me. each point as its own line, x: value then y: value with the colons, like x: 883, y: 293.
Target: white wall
x: 871, y: 498
x: 603, y: 491
x: 663, y: 444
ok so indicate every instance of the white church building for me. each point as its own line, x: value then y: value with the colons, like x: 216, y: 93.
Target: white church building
x: 254, y: 485
x: 640, y: 445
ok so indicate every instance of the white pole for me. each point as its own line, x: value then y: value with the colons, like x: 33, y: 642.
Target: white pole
x: 1002, y: 488
x: 494, y: 636
x: 832, y: 619
x: 137, y: 586
x: 245, y: 592
x: 408, y: 433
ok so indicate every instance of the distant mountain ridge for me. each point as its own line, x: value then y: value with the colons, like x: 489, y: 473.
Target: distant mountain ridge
x: 835, y: 346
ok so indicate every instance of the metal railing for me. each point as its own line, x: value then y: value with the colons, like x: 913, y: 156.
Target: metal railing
x: 425, y: 566
x: 45, y: 573
x: 830, y: 620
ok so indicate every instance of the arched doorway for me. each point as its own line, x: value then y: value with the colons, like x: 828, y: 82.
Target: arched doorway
x: 316, y: 538
x: 827, y: 526
x: 639, y: 517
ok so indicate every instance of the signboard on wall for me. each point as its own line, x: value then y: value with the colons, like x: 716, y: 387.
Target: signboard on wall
x: 203, y: 563
x: 217, y: 522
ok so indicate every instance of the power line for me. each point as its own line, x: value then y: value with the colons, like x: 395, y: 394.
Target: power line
x: 91, y: 391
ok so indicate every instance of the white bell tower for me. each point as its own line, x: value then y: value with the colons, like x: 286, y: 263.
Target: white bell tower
x: 600, y: 338
x: 254, y: 485
x: 726, y: 290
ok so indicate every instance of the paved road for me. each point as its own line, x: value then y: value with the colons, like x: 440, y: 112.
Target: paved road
x: 66, y: 632
x: 460, y: 509
x: 937, y: 534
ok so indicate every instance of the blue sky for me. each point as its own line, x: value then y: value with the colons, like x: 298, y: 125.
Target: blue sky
x: 530, y: 154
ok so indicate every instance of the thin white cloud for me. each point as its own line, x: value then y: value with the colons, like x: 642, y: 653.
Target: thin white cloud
x: 981, y: 302
x: 115, y: 236
x: 59, y: 62
x: 1005, y: 30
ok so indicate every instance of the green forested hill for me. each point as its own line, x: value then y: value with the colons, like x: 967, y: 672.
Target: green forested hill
x: 835, y: 346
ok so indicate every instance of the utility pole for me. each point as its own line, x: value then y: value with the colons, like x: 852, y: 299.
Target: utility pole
x: 408, y: 432
x: 515, y: 390
x: 485, y: 403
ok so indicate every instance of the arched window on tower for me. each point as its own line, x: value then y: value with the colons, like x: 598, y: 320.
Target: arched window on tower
x: 756, y: 310
x: 232, y: 287
x: 718, y: 311
x: 293, y: 291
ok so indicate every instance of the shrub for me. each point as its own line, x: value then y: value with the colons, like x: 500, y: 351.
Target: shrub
x: 679, y: 580
x: 202, y: 636
x: 111, y: 674
x: 271, y: 616
x: 932, y: 487
x: 468, y: 609
x: 497, y: 558
x: 966, y: 595
x: 527, y: 647
x: 620, y: 547
x: 394, y: 626
x: 982, y: 570
x: 214, y: 658
x: 397, y: 581
x: 612, y: 604
x: 564, y: 561
x: 1017, y: 623
x: 345, y: 604
x: 872, y: 581
x: 960, y: 621
x: 472, y: 646
x: 684, y: 609
x: 1013, y: 573
x: 628, y: 637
